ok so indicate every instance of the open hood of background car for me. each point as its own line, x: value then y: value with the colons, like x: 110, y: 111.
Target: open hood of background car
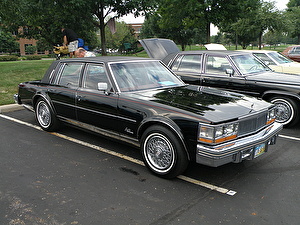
x: 213, y: 46
x: 159, y: 48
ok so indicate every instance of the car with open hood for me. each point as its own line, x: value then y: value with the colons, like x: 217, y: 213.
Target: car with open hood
x: 232, y: 70
x: 142, y: 102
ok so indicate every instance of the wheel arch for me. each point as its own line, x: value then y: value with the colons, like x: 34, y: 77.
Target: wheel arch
x: 43, y: 96
x: 270, y: 94
x: 288, y: 100
x: 169, y: 124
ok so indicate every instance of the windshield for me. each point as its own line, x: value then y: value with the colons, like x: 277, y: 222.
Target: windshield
x: 248, y: 64
x: 142, y: 75
x: 279, y: 58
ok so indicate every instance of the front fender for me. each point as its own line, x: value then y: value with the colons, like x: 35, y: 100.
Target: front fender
x: 266, y: 95
x: 166, y: 122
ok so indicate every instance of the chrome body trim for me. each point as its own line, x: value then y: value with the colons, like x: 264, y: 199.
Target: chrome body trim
x: 100, y: 131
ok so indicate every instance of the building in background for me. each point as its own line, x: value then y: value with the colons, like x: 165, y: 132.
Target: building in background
x: 137, y: 28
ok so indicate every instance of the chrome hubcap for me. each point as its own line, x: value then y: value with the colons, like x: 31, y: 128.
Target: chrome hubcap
x: 284, y: 113
x: 159, y: 152
x: 43, y: 114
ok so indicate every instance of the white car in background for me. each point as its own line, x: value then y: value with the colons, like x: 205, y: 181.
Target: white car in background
x: 276, y: 61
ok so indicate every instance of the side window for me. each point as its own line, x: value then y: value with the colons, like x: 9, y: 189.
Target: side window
x: 70, y: 75
x: 94, y: 74
x: 217, y: 65
x: 190, y: 63
x: 264, y: 58
x: 296, y: 50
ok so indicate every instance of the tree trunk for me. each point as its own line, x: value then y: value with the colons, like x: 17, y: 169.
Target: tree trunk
x: 208, y: 32
x: 236, y: 41
x: 182, y: 47
x: 260, y: 40
x: 102, y: 32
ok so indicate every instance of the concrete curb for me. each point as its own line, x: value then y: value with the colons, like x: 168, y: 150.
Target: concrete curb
x: 10, y: 108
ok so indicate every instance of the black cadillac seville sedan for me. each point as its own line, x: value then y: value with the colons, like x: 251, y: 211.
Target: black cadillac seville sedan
x: 234, y: 71
x: 140, y: 101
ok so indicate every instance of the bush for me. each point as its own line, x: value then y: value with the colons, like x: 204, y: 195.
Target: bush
x: 30, y: 49
x: 33, y: 57
x: 8, y: 58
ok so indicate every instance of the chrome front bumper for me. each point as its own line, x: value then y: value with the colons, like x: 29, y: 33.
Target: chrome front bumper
x: 237, y: 150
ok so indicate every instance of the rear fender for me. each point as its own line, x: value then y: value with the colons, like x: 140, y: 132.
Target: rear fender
x: 43, y: 96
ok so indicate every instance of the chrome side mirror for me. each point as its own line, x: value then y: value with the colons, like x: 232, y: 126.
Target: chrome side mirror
x: 102, y: 86
x: 230, y: 72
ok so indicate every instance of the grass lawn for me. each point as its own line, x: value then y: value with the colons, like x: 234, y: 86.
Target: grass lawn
x: 13, y: 73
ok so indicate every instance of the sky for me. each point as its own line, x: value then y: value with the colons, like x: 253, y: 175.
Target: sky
x: 280, y: 4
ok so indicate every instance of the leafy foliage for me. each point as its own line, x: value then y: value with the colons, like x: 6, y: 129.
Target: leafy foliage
x: 123, y: 34
x: 43, y: 19
x: 292, y: 14
x: 8, y: 43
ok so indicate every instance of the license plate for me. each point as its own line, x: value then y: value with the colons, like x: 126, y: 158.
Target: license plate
x: 259, y: 150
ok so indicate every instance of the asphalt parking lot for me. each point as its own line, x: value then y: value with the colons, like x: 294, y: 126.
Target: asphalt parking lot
x: 75, y: 177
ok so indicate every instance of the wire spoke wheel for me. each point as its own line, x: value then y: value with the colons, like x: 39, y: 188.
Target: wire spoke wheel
x: 287, y: 111
x: 159, y: 152
x: 43, y: 114
x: 163, y: 152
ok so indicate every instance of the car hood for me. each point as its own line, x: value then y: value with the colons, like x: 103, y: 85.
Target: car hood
x: 291, y: 64
x: 159, y: 48
x: 205, y: 103
x: 277, y: 78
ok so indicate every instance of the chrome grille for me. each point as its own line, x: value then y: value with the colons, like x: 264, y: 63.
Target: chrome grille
x: 252, y: 124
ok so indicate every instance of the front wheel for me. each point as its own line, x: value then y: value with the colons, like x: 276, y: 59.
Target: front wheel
x: 163, y: 152
x: 45, y: 116
x: 287, y: 110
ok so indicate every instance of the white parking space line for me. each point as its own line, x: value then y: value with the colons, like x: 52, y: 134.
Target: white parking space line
x: 139, y: 162
x: 288, y: 137
x: 96, y: 147
x: 188, y: 179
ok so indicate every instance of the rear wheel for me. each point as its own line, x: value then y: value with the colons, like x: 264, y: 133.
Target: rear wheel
x: 45, y: 116
x: 163, y: 152
x: 287, y: 110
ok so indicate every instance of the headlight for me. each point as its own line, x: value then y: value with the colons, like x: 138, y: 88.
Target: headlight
x: 217, y: 134
x: 271, y: 115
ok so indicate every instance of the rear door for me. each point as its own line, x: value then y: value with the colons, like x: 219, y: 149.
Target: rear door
x: 188, y: 67
x: 63, y: 89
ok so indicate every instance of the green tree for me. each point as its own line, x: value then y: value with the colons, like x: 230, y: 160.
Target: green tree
x: 8, y: 43
x: 124, y: 34
x: 268, y: 18
x: 254, y: 23
x: 43, y: 20
x: 240, y: 30
x: 293, y: 3
x: 182, y: 20
x: 103, y: 9
x: 30, y: 49
x: 46, y: 18
x: 292, y: 14
x: 151, y: 27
